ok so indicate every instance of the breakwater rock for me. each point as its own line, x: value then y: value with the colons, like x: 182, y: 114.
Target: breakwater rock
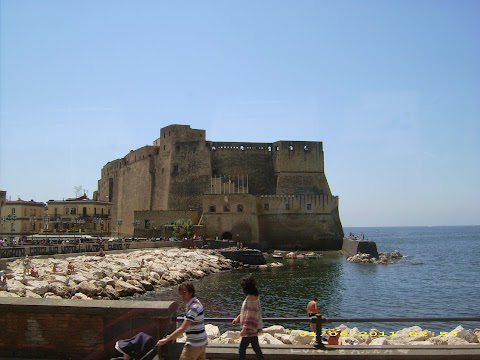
x: 383, y: 257
x: 414, y: 335
x: 110, y: 276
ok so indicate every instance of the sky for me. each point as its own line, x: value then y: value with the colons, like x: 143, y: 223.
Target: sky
x: 391, y: 88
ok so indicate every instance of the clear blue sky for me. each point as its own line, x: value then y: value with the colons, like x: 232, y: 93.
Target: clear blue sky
x: 392, y: 88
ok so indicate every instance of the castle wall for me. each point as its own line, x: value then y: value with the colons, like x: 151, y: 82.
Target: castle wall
x: 132, y: 191
x: 235, y: 214
x: 306, y: 221
x: 255, y: 160
x: 190, y: 175
x: 299, y: 167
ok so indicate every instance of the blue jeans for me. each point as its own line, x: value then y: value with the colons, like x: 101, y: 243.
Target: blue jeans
x: 242, y: 349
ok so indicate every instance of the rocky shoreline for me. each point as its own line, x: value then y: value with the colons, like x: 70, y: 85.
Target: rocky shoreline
x: 383, y: 257
x: 111, y: 276
x: 415, y: 335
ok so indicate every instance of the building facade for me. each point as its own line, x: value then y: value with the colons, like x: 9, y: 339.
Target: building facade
x: 273, y: 193
x: 20, y: 218
x: 78, y: 216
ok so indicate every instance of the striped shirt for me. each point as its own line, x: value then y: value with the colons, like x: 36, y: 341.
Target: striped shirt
x: 196, y: 334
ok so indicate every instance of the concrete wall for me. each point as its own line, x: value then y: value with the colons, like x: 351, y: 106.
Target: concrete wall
x: 78, y: 329
x: 351, y: 247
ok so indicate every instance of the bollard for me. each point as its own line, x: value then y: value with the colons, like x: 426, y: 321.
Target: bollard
x: 318, y: 331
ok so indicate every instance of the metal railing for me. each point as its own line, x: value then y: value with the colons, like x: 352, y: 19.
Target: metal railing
x: 319, y: 320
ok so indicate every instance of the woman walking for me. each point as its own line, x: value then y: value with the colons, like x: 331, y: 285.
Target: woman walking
x: 250, y: 318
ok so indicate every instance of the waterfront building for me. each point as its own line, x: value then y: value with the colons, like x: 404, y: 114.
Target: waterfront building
x: 272, y: 193
x: 20, y: 218
x: 78, y: 215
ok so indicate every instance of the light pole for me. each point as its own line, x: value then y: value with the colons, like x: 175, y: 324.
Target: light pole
x: 46, y: 220
x: 3, y: 219
x: 135, y: 224
x: 33, y: 221
x: 119, y: 226
x: 12, y: 219
x: 80, y: 222
x: 58, y: 221
x: 100, y: 226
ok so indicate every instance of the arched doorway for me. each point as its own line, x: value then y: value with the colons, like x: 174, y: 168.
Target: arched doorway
x: 227, y: 236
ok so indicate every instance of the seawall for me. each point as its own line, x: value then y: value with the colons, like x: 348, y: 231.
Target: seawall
x: 78, y: 329
x: 352, y: 246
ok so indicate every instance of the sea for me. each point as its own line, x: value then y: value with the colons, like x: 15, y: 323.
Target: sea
x: 438, y: 276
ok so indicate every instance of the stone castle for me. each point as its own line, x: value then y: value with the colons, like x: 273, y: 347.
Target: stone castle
x: 274, y: 194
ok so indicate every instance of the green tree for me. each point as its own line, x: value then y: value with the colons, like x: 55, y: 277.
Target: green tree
x: 183, y: 228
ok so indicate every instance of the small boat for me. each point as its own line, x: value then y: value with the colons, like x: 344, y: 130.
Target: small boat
x: 313, y: 256
x: 277, y: 256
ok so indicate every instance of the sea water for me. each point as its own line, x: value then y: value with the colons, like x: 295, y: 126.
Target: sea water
x: 438, y: 276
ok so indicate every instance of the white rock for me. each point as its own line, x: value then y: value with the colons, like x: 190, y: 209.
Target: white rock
x: 6, y: 294
x: 212, y: 331
x: 300, y: 337
x: 39, y: 287
x: 31, y: 294
x: 453, y: 340
x: 464, y: 334
x: 16, y: 287
x: 266, y: 338
x: 379, y: 341
x: 81, y: 296
x: 284, y: 338
x: 50, y: 295
x: 234, y: 335
x: 275, y: 329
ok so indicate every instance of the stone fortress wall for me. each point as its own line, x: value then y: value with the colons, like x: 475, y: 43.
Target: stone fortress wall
x: 251, y: 192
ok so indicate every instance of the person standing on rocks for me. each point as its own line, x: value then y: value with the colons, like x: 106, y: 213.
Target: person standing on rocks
x: 250, y: 319
x: 27, y: 264
x: 193, y: 326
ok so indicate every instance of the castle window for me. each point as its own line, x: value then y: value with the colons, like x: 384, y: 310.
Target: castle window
x: 178, y: 147
x: 164, y: 135
x: 212, y: 208
x: 226, y: 208
x: 277, y: 148
x: 240, y: 208
x: 309, y: 206
x: 175, y: 168
x: 265, y: 206
x: 163, y: 147
x: 163, y: 170
x: 290, y: 147
x: 169, y: 133
x: 305, y: 148
x: 287, y: 206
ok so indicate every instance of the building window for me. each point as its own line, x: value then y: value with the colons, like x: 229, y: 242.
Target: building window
x: 309, y: 206
x: 287, y: 206
x: 226, y: 208
x: 265, y: 207
x: 212, y: 208
x: 240, y: 208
